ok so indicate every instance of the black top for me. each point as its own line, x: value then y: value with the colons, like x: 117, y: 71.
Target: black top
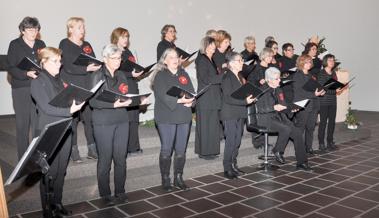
x: 317, y: 65
x: 330, y: 96
x: 257, y: 74
x: 133, y: 84
x: 206, y: 73
x: 286, y: 63
x: 43, y: 89
x: 17, y: 50
x: 231, y: 108
x: 219, y: 59
x: 104, y: 113
x: 166, y: 109
x: 247, y: 56
x: 300, y: 79
x: 73, y: 73
x: 162, y: 46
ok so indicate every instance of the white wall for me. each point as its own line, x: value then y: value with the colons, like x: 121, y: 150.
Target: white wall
x: 350, y: 27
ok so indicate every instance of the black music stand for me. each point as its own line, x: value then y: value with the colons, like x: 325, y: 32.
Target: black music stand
x: 40, y: 154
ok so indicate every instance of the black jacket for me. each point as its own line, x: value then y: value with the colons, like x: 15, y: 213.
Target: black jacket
x: 219, y: 59
x: 330, y: 96
x: 317, y: 65
x: 43, y: 91
x: 17, y: 50
x: 286, y: 63
x: 206, y: 73
x: 232, y: 108
x: 166, y: 108
x: 162, y: 46
x: 73, y: 73
x: 257, y: 74
x: 300, y: 79
x: 104, y: 113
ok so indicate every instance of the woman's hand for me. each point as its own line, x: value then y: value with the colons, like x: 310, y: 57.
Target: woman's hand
x: 136, y: 74
x: 250, y: 99
x: 279, y: 107
x: 187, y: 102
x: 32, y: 74
x: 144, y: 100
x: 262, y: 81
x: 74, y: 107
x: 92, y: 67
x: 118, y: 103
x: 320, y: 93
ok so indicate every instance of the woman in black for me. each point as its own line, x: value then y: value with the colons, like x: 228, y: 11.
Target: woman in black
x: 207, y: 138
x: 328, y: 105
x: 172, y: 117
x: 27, y: 45
x: 43, y: 90
x: 304, y: 118
x: 257, y: 77
x: 168, y: 37
x: 120, y: 38
x: 249, y: 55
x: 275, y: 48
x: 223, y: 39
x: 71, y: 47
x: 233, y: 114
x: 286, y: 63
x: 111, y: 126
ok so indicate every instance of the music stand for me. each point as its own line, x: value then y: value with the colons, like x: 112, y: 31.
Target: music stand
x: 40, y: 154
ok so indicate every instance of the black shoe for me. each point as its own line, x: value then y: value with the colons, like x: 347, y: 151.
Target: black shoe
x: 237, y: 170
x: 179, y: 182
x: 108, y: 201
x: 166, y: 184
x: 303, y: 166
x: 322, y: 148
x: 310, y: 152
x: 121, y: 198
x: 332, y: 146
x: 59, y: 209
x: 230, y: 174
x: 208, y: 157
x: 279, y: 158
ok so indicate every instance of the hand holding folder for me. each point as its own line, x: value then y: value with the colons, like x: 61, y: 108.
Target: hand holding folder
x: 29, y: 65
x: 178, y: 92
x: 296, y: 106
x: 248, y: 89
x: 111, y: 97
x: 73, y: 92
x: 85, y: 60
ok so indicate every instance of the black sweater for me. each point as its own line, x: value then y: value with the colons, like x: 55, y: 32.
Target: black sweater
x: 257, y: 74
x: 206, y: 73
x: 300, y: 79
x: 162, y: 46
x: 219, y: 59
x: 17, y: 50
x: 104, y: 113
x: 232, y: 108
x: 73, y: 73
x: 166, y: 109
x: 330, y: 96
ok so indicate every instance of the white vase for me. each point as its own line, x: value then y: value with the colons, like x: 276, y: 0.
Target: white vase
x: 352, y: 126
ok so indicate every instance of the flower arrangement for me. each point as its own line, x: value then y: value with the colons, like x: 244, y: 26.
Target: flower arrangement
x: 351, y: 120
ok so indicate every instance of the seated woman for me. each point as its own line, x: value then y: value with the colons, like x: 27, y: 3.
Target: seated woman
x: 111, y: 126
x: 272, y: 113
x: 233, y: 114
x: 172, y: 117
x: 43, y: 89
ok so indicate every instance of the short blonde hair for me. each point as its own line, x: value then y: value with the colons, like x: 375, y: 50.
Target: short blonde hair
x: 117, y: 33
x: 71, y: 23
x: 48, y: 52
x: 248, y: 39
x: 300, y: 62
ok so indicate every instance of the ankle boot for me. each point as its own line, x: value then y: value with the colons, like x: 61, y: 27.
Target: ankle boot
x: 164, y: 165
x: 92, y: 152
x: 179, y: 162
x: 75, y: 156
x: 237, y: 170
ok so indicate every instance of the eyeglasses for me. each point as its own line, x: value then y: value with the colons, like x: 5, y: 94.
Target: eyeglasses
x: 241, y: 60
x: 118, y: 58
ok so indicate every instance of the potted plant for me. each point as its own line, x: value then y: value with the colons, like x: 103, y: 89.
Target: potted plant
x: 351, y: 120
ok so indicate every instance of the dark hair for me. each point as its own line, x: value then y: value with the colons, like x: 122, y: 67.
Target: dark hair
x: 29, y: 22
x: 165, y: 28
x: 205, y: 42
x: 270, y: 43
x: 308, y: 47
x: 325, y: 59
x: 285, y: 46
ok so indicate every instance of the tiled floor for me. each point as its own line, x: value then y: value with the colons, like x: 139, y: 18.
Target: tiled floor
x: 343, y: 184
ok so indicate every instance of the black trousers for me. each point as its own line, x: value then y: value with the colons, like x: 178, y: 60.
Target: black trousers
x: 173, y: 137
x: 133, y: 142
x: 286, y: 130
x: 111, y: 142
x: 306, y: 122
x: 208, y: 131
x: 327, y: 117
x: 85, y: 115
x: 26, y: 117
x: 57, y: 171
x: 233, y: 131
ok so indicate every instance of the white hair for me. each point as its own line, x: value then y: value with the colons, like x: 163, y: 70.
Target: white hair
x: 110, y: 50
x: 271, y: 72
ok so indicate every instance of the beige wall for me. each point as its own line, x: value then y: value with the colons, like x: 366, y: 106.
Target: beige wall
x: 351, y: 29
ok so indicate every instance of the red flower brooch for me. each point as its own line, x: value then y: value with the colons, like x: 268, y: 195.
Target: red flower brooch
x: 132, y: 59
x: 123, y: 88
x: 183, y: 80
x: 87, y: 49
x: 65, y: 85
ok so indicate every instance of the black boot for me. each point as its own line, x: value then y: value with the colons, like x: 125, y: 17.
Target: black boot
x: 322, y: 148
x: 179, y: 162
x: 236, y: 169
x: 164, y: 165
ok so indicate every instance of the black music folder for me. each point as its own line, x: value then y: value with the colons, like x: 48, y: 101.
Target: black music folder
x: 45, y: 144
x: 73, y: 92
x: 28, y: 64
x: 312, y: 85
x: 178, y: 92
x: 111, y: 96
x: 183, y: 54
x: 248, y: 89
x: 129, y: 66
x: 85, y: 60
